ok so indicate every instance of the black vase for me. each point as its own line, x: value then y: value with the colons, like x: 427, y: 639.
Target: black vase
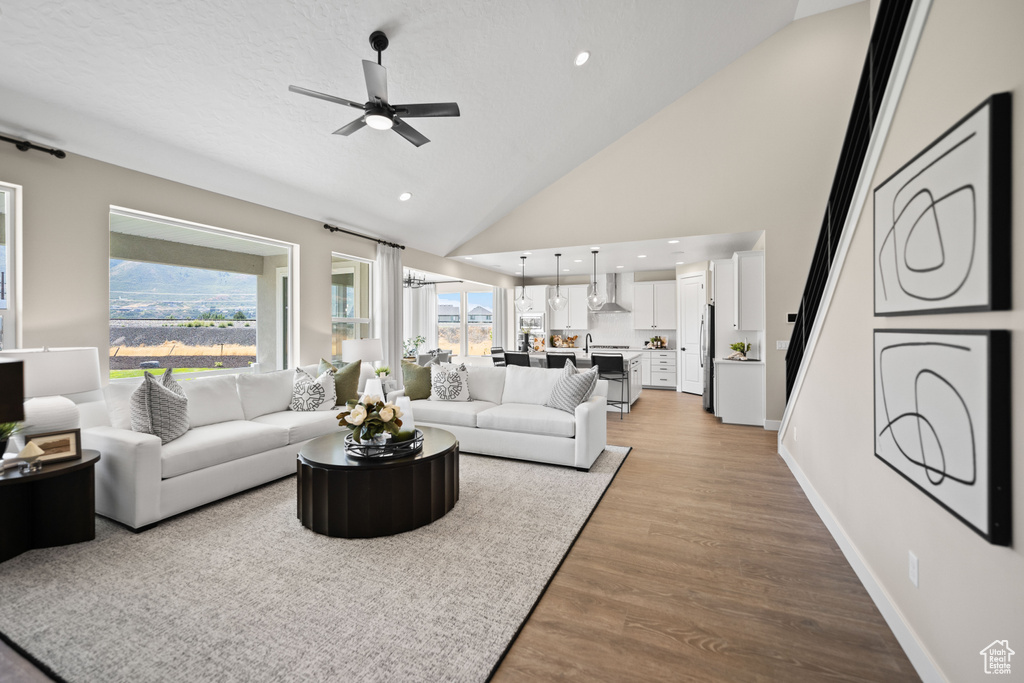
x: 526, y: 345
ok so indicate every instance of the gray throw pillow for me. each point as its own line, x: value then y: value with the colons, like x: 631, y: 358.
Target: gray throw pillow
x: 159, y: 407
x: 572, y: 388
x: 449, y: 382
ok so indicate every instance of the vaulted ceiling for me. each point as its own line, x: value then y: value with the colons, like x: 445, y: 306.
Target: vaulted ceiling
x: 197, y: 92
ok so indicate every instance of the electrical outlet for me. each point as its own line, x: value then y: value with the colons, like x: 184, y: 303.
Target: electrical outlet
x: 913, y: 568
x: 781, y: 345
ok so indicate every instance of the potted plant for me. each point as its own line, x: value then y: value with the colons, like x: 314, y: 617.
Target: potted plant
x: 382, y: 372
x: 411, y: 345
x: 7, y: 430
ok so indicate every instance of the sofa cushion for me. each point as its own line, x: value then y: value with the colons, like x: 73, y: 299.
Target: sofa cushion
x: 313, y: 393
x: 527, y: 418
x: 159, y: 407
x: 528, y: 385
x: 449, y: 382
x: 462, y: 413
x: 572, y: 388
x: 263, y: 393
x: 212, y: 400
x: 416, y: 380
x: 486, y: 383
x: 213, y: 444
x: 118, y: 398
x: 365, y: 372
x: 302, y: 425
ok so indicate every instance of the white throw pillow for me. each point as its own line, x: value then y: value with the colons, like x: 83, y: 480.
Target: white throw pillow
x: 212, y: 400
x: 486, y: 383
x: 309, y: 393
x: 449, y: 382
x: 528, y: 385
x: 160, y: 407
x: 262, y: 394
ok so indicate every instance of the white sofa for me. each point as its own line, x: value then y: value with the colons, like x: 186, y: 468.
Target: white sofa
x: 241, y: 435
x: 506, y: 417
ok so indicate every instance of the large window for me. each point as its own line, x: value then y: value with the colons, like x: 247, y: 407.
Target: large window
x: 350, y: 301
x: 7, y: 208
x: 469, y: 334
x: 194, y: 298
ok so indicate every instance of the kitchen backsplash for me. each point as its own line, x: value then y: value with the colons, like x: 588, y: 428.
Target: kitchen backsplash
x: 617, y: 328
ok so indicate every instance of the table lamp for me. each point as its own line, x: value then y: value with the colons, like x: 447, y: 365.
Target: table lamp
x: 366, y: 350
x: 51, y: 376
x: 12, y: 390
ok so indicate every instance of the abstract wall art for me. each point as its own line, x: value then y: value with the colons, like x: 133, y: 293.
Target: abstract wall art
x: 942, y: 420
x: 942, y: 222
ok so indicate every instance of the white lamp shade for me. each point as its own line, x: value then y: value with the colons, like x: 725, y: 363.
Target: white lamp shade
x: 366, y: 350
x: 58, y: 372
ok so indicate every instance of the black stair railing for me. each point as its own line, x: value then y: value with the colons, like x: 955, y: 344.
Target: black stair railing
x: 874, y: 77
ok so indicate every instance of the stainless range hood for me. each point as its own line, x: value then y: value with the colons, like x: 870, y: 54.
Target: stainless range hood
x: 609, y: 287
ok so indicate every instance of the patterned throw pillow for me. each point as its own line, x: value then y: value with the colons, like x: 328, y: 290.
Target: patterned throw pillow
x: 159, y: 407
x: 449, y: 382
x: 309, y: 393
x: 569, y: 369
x: 572, y: 388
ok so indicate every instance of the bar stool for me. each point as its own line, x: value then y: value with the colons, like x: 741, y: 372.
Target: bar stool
x: 498, y: 356
x: 612, y: 367
x: 517, y: 358
x: 558, y: 359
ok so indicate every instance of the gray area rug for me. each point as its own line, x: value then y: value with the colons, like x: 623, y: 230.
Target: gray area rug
x: 241, y: 591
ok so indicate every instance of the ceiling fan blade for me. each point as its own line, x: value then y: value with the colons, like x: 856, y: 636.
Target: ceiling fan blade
x: 322, y: 96
x: 409, y: 133
x: 376, y: 81
x: 435, y: 109
x: 350, y: 128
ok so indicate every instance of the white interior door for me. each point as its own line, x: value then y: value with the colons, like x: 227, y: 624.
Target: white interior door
x: 691, y: 311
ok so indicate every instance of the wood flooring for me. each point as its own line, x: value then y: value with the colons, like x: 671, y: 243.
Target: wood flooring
x: 703, y: 562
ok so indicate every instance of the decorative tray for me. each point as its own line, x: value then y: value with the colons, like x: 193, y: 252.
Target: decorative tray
x: 385, y: 450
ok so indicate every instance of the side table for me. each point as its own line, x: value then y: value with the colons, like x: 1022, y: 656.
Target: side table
x: 53, y: 506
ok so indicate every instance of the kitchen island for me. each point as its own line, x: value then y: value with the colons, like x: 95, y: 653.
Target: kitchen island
x: 631, y: 359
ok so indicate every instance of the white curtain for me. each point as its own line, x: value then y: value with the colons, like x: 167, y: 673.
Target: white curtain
x: 421, y: 315
x: 500, y: 318
x: 387, y: 307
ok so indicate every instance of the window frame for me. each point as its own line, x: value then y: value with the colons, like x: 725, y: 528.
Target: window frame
x: 12, y: 333
x: 368, y: 321
x: 463, y: 317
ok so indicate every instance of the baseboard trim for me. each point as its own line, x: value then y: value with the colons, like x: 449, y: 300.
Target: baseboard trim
x: 772, y: 425
x: 908, y: 640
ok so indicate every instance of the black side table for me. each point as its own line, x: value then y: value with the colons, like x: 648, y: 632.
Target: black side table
x: 53, y: 506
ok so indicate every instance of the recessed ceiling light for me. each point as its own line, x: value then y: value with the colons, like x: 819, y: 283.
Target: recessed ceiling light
x: 578, y: 260
x: 620, y: 266
x: 673, y: 241
x: 565, y: 270
x: 592, y: 248
x: 468, y: 258
x: 679, y: 263
x: 405, y: 196
x: 641, y: 255
x: 582, y: 58
x: 527, y: 253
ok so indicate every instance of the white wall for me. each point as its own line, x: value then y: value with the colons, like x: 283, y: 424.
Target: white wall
x: 970, y: 593
x: 752, y: 148
x: 66, y: 246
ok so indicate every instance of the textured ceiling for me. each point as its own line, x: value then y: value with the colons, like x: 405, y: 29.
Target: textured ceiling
x: 196, y: 91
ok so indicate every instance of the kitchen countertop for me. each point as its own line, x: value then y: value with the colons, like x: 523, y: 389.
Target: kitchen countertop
x: 749, y: 361
x: 627, y: 354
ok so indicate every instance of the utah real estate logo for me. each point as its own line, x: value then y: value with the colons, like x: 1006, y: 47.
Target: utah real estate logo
x: 997, y: 657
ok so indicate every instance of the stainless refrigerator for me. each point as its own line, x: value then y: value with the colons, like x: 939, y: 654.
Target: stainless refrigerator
x: 707, y: 355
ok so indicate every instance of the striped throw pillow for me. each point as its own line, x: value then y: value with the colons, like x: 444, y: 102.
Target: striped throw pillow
x: 572, y: 388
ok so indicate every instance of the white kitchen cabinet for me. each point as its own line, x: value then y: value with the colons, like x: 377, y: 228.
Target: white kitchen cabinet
x: 645, y: 368
x: 654, y: 306
x: 722, y: 297
x: 538, y: 294
x: 658, y: 369
x: 574, y: 315
x: 748, y: 290
x: 739, y: 392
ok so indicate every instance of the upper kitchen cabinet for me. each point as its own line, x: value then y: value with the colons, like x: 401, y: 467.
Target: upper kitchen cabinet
x: 654, y: 306
x: 748, y: 290
x: 574, y: 315
x: 538, y: 294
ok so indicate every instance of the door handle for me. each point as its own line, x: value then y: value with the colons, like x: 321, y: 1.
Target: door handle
x: 682, y: 348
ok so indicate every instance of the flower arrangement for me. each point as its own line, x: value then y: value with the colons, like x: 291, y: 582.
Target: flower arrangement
x: 370, y: 418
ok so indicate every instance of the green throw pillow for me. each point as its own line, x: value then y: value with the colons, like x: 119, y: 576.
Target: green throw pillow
x: 346, y: 378
x: 417, y: 381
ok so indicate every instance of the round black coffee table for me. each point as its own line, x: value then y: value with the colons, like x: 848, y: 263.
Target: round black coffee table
x: 361, y: 498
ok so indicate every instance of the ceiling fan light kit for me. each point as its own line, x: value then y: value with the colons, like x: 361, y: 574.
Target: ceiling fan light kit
x: 378, y: 113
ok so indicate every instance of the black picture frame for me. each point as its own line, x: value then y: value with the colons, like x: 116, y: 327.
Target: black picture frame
x: 73, y: 452
x: 968, y: 165
x: 957, y: 391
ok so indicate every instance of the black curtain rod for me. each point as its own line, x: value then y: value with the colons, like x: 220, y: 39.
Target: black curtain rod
x: 335, y: 228
x: 25, y: 145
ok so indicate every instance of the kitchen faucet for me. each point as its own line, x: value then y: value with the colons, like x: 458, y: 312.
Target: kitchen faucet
x: 586, y: 343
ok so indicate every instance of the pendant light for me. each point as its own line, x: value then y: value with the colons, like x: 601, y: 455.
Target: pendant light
x: 557, y: 302
x: 523, y: 302
x: 594, y: 298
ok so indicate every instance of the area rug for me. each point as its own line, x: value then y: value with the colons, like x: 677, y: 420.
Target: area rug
x: 241, y: 591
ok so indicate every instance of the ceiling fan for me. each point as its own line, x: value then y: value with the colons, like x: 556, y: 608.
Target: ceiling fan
x: 377, y: 111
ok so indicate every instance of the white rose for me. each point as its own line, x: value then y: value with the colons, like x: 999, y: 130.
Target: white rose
x: 386, y: 414
x: 356, y: 416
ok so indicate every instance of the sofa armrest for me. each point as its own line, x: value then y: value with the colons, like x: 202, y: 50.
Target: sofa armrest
x: 127, y: 474
x: 395, y: 395
x: 591, y: 431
